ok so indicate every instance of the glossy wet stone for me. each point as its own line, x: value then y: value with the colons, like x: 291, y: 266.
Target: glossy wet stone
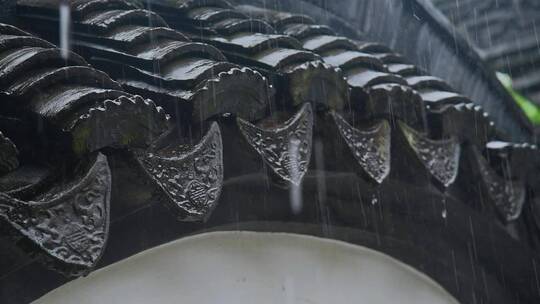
x: 389, y: 166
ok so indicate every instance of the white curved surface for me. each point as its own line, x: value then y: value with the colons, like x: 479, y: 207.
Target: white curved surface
x: 253, y: 268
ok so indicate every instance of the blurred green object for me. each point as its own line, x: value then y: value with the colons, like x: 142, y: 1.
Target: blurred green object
x: 531, y: 110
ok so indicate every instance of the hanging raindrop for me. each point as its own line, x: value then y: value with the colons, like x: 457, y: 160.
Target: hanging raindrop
x: 375, y: 198
x: 444, y: 212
